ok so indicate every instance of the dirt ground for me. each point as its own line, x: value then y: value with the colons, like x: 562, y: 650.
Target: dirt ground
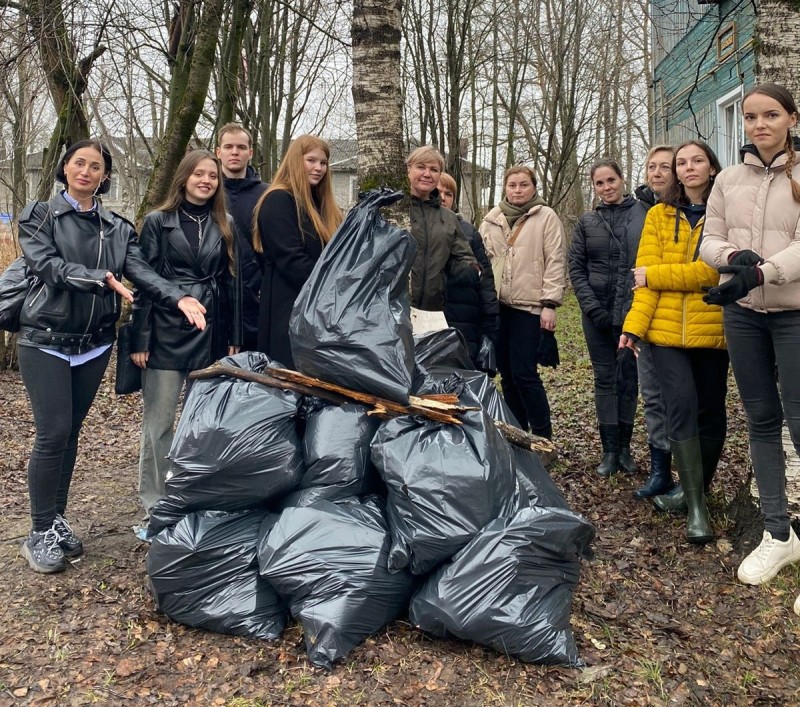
x: 657, y: 621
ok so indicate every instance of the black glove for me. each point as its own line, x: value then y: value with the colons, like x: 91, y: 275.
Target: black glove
x: 745, y: 279
x: 745, y: 257
x: 601, y: 319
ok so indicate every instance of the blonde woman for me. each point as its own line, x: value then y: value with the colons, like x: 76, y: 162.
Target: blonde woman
x: 294, y: 220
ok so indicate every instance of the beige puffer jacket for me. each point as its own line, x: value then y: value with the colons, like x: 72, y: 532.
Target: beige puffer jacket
x: 751, y: 208
x: 535, y: 270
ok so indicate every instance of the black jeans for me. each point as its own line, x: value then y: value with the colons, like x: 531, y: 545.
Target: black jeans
x: 760, y: 344
x: 694, y: 383
x: 517, y: 350
x: 612, y: 408
x: 60, y: 398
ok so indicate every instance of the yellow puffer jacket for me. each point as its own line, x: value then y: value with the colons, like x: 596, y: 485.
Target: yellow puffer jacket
x: 670, y: 311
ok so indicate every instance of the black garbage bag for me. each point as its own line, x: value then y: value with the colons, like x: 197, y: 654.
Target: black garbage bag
x: 537, y: 482
x: 539, y: 485
x: 350, y: 323
x: 236, y: 446
x: 204, y: 573
x: 444, y: 483
x: 337, y: 455
x: 330, y: 561
x: 443, y: 349
x: 511, y: 587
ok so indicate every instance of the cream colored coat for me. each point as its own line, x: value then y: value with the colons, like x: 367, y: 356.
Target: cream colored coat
x: 751, y: 208
x: 535, y: 268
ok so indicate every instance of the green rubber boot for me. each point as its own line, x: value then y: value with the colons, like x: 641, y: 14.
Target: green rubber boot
x: 689, y: 461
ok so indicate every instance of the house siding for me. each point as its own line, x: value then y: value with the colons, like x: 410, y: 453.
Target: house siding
x: 689, y: 78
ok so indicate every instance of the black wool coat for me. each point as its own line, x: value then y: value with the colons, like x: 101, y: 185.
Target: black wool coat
x: 242, y: 196
x: 291, y: 250
x: 175, y: 344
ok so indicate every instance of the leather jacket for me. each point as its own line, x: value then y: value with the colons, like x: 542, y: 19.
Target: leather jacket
x: 173, y: 343
x: 69, y: 308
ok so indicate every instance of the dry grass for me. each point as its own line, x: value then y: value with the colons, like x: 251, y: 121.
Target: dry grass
x: 9, y: 250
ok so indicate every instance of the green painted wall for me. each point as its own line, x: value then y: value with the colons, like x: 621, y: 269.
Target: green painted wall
x: 685, y: 97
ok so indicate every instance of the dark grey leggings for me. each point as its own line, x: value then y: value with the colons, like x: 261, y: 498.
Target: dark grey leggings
x: 60, y: 398
x: 760, y: 345
x: 612, y: 408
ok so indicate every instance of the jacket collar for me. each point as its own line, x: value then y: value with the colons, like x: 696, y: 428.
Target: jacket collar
x: 60, y: 206
x: 211, y: 238
x: 749, y: 155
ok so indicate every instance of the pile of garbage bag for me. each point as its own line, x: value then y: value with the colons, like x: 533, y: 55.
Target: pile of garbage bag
x: 281, y: 506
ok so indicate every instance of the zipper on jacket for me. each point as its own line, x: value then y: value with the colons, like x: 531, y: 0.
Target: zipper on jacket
x: 685, y: 295
x: 97, y: 265
x: 33, y: 301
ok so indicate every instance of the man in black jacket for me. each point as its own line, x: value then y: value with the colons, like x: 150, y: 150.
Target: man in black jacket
x: 243, y: 187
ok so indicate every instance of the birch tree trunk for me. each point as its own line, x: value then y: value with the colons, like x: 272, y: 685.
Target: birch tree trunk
x: 377, y: 93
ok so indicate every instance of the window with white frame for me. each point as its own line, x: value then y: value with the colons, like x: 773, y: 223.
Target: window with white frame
x: 730, y: 129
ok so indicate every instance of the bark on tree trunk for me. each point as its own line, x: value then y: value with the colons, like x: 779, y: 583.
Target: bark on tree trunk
x: 188, y: 89
x: 67, y: 78
x: 377, y: 93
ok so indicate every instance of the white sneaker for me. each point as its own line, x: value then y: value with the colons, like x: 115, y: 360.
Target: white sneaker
x: 769, y: 558
x: 797, y: 605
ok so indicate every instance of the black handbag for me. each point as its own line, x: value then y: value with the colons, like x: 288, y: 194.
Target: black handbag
x: 547, y: 355
x: 15, y: 282
x: 129, y: 375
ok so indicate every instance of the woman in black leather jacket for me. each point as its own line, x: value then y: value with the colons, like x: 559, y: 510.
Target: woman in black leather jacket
x: 190, y: 240
x: 594, y: 258
x: 78, y: 254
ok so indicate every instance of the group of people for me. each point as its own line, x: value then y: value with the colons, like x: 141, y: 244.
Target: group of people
x: 701, y: 265
x: 701, y: 270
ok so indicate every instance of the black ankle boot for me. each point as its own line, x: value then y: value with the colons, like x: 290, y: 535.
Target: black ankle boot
x: 660, y: 479
x: 609, y: 437
x: 626, y: 462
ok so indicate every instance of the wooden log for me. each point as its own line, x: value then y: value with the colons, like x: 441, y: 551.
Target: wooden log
x: 523, y: 439
x: 440, y: 408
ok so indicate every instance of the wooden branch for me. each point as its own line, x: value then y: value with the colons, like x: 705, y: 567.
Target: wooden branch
x: 523, y: 439
x: 440, y: 408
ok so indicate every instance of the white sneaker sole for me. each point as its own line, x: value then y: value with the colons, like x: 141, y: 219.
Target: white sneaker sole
x: 772, y: 572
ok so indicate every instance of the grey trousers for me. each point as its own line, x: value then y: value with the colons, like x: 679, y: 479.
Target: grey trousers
x: 655, y: 411
x: 161, y: 391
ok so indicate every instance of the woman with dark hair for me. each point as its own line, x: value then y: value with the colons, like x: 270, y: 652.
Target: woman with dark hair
x: 685, y: 334
x: 752, y: 237
x: 594, y: 261
x: 78, y: 254
x: 190, y: 240
x: 528, y: 235
x: 293, y: 221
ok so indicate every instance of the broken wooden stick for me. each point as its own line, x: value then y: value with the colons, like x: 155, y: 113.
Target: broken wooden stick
x: 440, y: 408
